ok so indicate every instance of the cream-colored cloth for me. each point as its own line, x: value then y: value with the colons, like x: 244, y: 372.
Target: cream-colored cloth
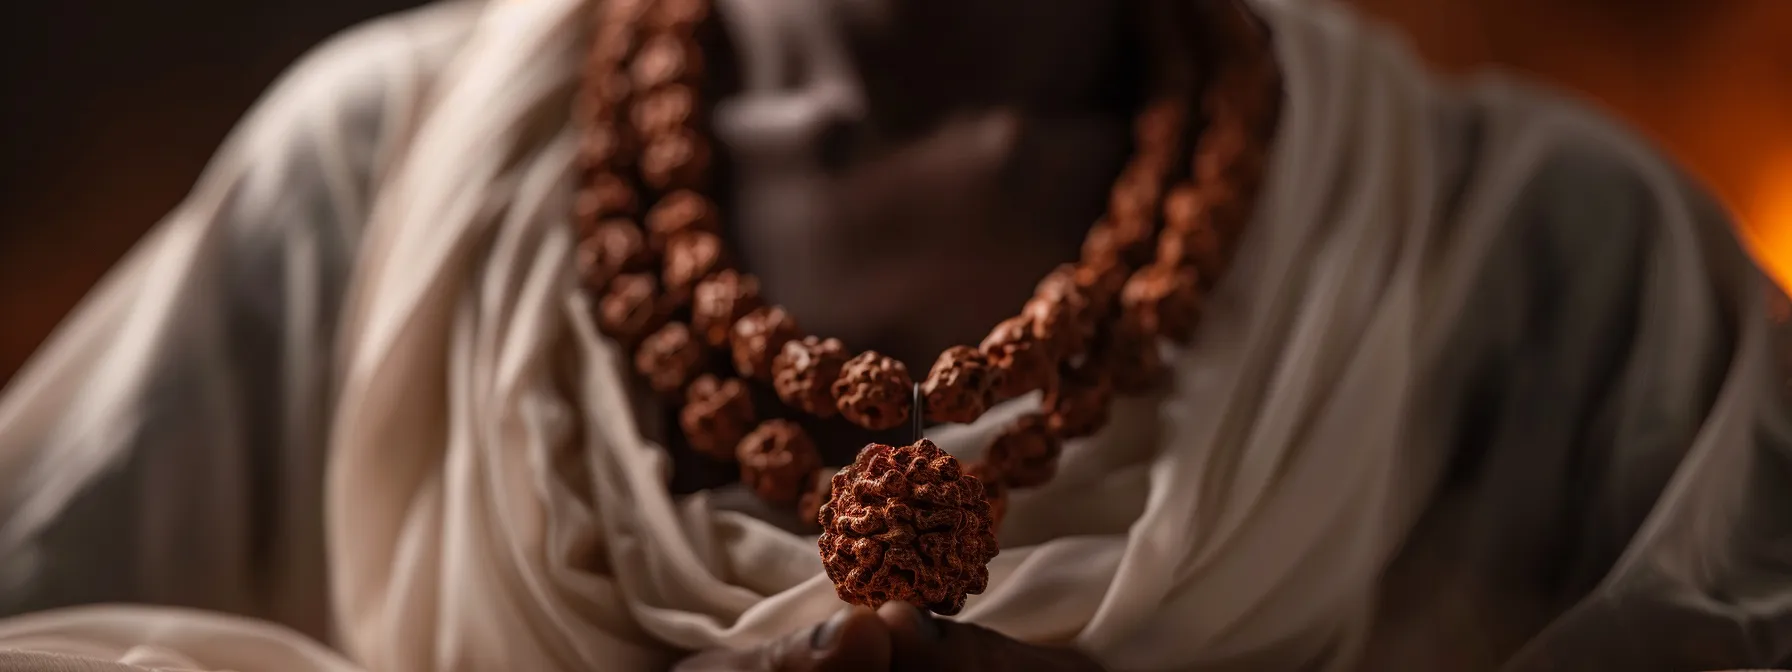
x: 489, y: 502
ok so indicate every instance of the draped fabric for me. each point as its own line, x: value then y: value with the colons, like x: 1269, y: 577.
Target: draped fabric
x: 1487, y: 379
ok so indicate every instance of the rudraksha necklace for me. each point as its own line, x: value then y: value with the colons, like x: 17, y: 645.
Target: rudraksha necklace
x: 902, y: 523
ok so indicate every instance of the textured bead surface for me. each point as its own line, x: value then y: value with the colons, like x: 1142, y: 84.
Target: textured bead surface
x: 874, y: 391
x: 717, y: 414
x: 669, y: 358
x: 804, y: 373
x: 606, y: 90
x: 1020, y: 363
x: 1092, y: 289
x: 630, y: 309
x: 1165, y: 299
x: 690, y: 258
x: 1026, y: 453
x: 1130, y: 357
x: 664, y: 110
x: 1078, y: 405
x: 1056, y: 322
x: 680, y: 212
x: 605, y: 147
x: 1200, y: 246
x: 906, y: 524
x: 719, y: 302
x: 1118, y: 241
x: 605, y: 196
x: 757, y: 339
x: 1161, y: 123
x: 678, y: 160
x: 1227, y: 155
x: 776, y: 459
x: 958, y: 387
x: 667, y: 58
x: 611, y: 248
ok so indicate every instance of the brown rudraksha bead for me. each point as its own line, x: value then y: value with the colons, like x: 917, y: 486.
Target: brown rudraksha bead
x: 804, y: 374
x: 874, y: 391
x: 1161, y: 123
x: 677, y: 160
x: 994, y: 492
x: 678, y: 213
x: 820, y: 489
x: 1021, y: 364
x: 664, y: 59
x: 1115, y: 241
x: 607, y: 85
x: 690, y: 258
x: 1227, y: 155
x: 1058, y: 322
x: 669, y: 358
x: 775, y: 460
x: 1060, y: 282
x: 758, y: 338
x: 1101, y: 284
x: 663, y: 110
x: 1026, y: 454
x: 1130, y: 357
x: 1201, y: 246
x: 716, y: 415
x: 1078, y: 405
x: 1165, y: 299
x: 606, y: 195
x: 1090, y: 288
x: 1187, y: 206
x: 611, y: 248
x: 1065, y: 286
x: 1226, y: 207
x: 1134, y: 196
x: 905, y: 524
x: 1197, y: 227
x: 1250, y: 90
x: 958, y: 387
x: 631, y: 309
x: 719, y: 301
x: 603, y: 146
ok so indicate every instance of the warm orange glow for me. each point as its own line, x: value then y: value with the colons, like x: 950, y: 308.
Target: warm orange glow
x: 1771, y: 218
x: 1706, y: 79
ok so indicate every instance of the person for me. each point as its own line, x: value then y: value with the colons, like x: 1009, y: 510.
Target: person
x: 1489, y: 384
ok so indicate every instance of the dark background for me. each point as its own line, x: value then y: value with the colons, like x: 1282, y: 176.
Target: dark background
x: 112, y: 107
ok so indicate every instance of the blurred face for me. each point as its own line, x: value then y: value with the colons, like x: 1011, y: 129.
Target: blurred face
x: 904, y: 158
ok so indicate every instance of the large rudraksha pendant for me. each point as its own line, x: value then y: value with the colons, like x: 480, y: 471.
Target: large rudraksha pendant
x: 907, y: 524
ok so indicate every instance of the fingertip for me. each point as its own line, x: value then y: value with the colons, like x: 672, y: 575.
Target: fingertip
x: 858, y: 640
x: 909, y: 621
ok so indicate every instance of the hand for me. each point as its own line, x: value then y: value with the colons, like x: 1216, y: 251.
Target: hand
x: 853, y: 640
x: 921, y: 643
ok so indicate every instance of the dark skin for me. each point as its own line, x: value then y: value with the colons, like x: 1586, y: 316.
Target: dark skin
x: 979, y: 146
x: 895, y: 637
x: 975, y: 145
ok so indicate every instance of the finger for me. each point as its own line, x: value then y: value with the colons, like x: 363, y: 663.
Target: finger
x: 919, y: 641
x: 853, y: 639
x: 915, y: 639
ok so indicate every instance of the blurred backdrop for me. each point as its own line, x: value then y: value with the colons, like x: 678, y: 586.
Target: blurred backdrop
x: 113, y: 106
